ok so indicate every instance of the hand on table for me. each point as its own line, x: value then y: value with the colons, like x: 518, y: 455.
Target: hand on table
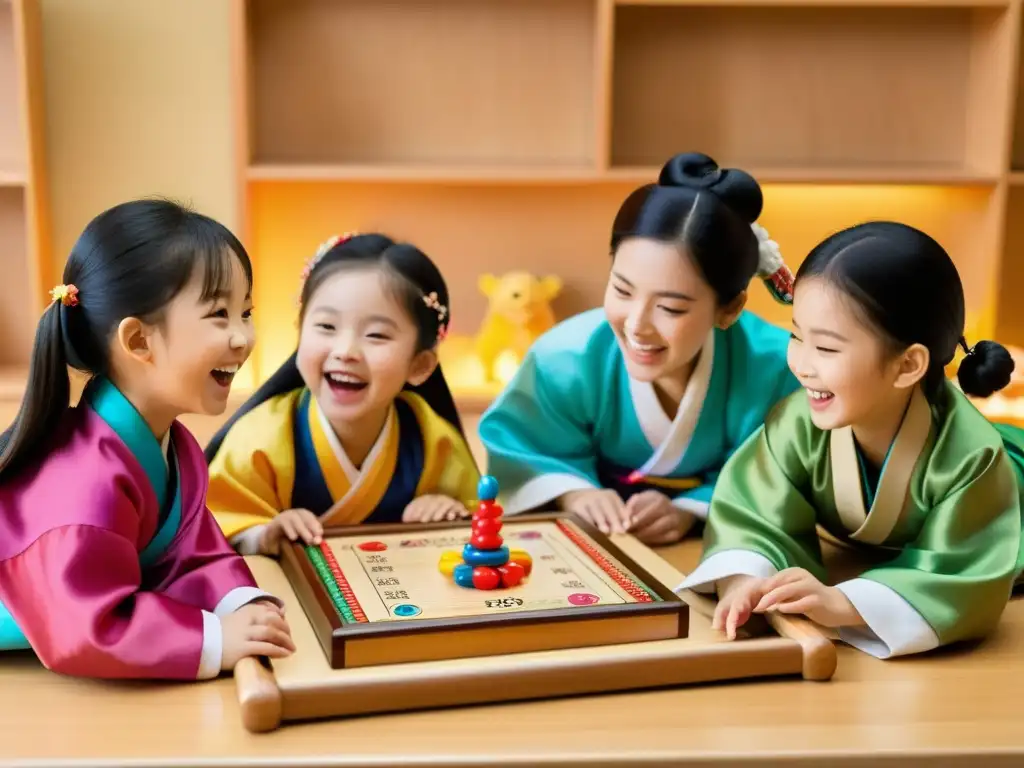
x: 654, y: 520
x: 432, y: 509
x: 291, y: 524
x: 255, y: 629
x: 791, y: 591
x: 601, y: 507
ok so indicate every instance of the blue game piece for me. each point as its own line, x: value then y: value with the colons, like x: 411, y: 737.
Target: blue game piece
x: 463, y: 575
x: 487, y: 488
x: 407, y: 609
x: 492, y: 557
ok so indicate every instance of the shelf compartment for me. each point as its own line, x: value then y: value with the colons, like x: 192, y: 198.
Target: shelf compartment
x: 18, y: 307
x: 831, y: 88
x: 454, y: 82
x: 466, y: 229
x: 13, y: 165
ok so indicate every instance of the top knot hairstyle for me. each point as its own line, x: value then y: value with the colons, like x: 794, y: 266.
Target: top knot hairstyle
x: 415, y: 282
x: 712, y: 212
x: 908, y: 288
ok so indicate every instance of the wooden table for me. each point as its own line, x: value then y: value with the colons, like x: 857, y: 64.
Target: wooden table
x: 958, y: 708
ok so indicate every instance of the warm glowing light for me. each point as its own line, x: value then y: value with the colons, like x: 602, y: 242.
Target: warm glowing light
x: 505, y: 366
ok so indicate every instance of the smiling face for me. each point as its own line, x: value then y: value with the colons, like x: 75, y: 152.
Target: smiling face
x: 851, y: 374
x: 358, y: 347
x: 194, y: 352
x: 661, y: 311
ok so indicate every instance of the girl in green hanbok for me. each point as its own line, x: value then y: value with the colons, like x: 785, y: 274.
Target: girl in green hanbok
x: 880, y: 451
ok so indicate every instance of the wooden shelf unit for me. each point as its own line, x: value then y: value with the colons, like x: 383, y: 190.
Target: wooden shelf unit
x: 24, y: 261
x: 504, y: 134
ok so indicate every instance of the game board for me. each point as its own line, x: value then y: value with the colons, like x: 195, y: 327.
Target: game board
x: 375, y: 595
x: 450, y: 648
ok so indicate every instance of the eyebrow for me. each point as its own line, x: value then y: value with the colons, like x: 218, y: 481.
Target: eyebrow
x: 823, y: 332
x: 328, y: 310
x: 665, y: 294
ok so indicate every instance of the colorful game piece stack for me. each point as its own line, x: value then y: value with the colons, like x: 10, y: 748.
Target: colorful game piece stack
x: 485, y: 562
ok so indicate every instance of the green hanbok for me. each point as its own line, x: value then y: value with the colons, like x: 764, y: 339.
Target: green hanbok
x: 946, y: 504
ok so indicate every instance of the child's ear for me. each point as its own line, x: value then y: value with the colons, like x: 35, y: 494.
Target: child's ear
x: 422, y: 366
x: 730, y: 313
x: 913, y: 366
x: 134, y: 339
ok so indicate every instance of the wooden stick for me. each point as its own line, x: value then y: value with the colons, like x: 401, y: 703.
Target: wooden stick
x: 258, y: 695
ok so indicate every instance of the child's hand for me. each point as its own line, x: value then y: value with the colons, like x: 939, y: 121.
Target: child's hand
x: 293, y: 524
x: 654, y: 520
x: 256, y: 629
x: 433, y: 509
x: 738, y: 595
x: 600, y: 507
x: 795, y: 590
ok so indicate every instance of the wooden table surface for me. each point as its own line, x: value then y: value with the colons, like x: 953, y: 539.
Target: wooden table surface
x: 956, y: 708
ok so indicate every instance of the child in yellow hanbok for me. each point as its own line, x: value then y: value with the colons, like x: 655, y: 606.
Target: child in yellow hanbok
x: 359, y: 424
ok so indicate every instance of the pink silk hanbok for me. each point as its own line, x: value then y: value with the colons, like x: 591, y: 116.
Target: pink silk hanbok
x: 111, y: 566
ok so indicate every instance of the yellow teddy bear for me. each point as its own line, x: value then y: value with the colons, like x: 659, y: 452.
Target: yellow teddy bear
x: 518, y: 311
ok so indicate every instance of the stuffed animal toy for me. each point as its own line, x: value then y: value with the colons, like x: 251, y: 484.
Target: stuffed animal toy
x: 518, y: 311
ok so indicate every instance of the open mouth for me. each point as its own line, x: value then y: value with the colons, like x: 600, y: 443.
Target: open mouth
x: 225, y: 374
x: 641, y: 352
x: 820, y: 398
x: 345, y: 382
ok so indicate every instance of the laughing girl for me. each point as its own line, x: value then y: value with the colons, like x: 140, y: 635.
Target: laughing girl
x: 882, y: 452
x: 625, y: 414
x: 359, y: 424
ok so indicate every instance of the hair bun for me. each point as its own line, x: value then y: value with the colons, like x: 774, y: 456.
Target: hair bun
x: 737, y: 189
x: 986, y: 369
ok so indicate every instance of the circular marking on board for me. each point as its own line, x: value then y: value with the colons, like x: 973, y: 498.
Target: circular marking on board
x: 406, y: 610
x: 583, y: 598
x: 373, y: 546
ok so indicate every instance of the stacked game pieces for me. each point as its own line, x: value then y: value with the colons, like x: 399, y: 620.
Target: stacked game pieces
x: 486, y: 562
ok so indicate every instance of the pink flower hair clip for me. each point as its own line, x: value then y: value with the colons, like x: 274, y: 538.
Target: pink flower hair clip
x: 322, y: 251
x: 434, y: 303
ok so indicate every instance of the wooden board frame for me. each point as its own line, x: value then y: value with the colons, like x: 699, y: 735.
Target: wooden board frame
x: 303, y: 687
x: 334, y: 635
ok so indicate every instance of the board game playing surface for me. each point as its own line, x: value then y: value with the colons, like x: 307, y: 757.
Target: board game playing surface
x: 395, y: 576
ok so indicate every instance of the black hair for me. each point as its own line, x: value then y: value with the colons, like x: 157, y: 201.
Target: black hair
x: 908, y: 288
x: 412, y: 276
x: 130, y: 261
x: 706, y: 209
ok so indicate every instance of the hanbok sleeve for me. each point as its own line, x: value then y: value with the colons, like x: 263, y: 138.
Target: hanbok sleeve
x: 77, y: 595
x: 538, y: 435
x: 250, y: 478
x: 953, y: 581
x: 760, y: 519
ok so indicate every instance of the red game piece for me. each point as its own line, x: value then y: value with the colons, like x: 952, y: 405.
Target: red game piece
x: 488, y: 509
x: 487, y: 525
x: 485, y: 540
x: 485, y: 577
x: 511, y: 574
x: 373, y: 546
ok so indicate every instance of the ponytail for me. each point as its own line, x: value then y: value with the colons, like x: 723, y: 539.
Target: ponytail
x: 438, y: 396
x: 284, y: 379
x: 47, y: 393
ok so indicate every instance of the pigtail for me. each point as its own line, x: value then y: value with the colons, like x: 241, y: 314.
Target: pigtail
x: 986, y: 368
x: 771, y: 268
x: 47, y: 392
x: 284, y: 379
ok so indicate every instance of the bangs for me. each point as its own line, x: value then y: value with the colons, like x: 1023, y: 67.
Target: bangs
x: 208, y: 248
